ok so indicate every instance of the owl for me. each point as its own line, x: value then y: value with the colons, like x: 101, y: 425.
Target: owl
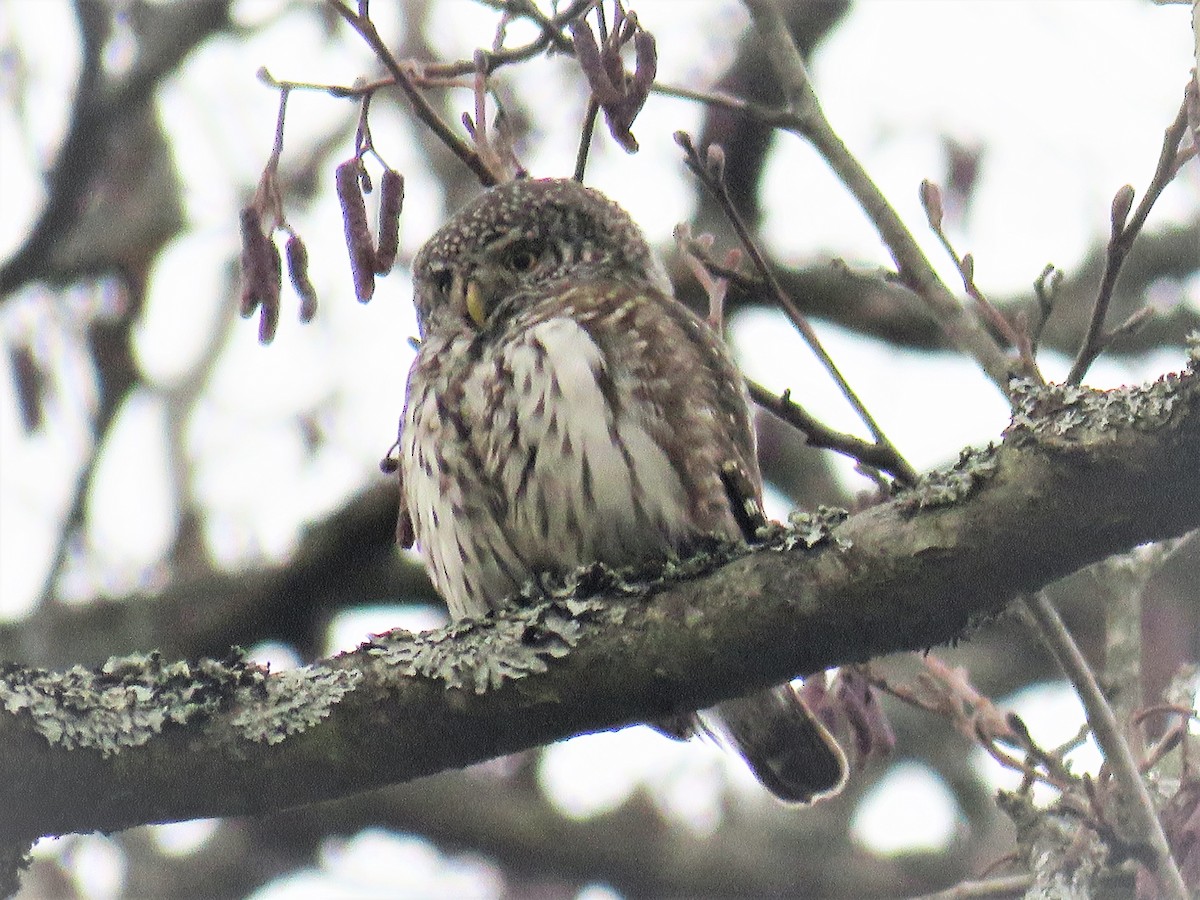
x: 564, y: 408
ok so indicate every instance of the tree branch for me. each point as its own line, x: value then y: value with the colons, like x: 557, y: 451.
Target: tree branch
x: 350, y: 557
x: 806, y: 119
x: 100, y: 113
x: 1077, y: 478
x: 1109, y: 736
x: 879, y: 307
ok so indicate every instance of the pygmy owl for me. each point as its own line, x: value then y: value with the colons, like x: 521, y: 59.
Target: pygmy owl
x: 564, y: 408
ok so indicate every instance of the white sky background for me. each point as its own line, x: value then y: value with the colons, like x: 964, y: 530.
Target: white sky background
x: 1070, y: 100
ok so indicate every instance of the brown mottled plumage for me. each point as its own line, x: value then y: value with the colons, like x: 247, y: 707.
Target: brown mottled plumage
x: 564, y: 408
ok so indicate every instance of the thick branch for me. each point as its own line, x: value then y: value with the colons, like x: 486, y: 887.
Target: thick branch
x: 1080, y: 475
x: 348, y: 558
x: 99, y: 116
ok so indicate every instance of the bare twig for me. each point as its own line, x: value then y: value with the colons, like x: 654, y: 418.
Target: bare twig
x: 765, y: 114
x: 421, y: 107
x: 427, y: 74
x: 1124, y: 233
x: 552, y: 28
x: 1002, y: 886
x: 709, y: 170
x: 818, y: 434
x: 1045, y: 288
x: 807, y: 120
x: 931, y: 200
x: 1176, y: 735
x: 947, y: 692
x: 1108, y: 735
x: 585, y: 138
x: 495, y: 151
x: 697, y: 255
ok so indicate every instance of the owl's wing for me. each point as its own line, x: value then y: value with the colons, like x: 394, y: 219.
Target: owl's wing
x: 405, y: 534
x: 693, y: 403
x: 743, y: 499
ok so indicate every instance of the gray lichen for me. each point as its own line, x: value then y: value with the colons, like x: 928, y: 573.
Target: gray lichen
x: 291, y: 701
x: 815, y: 529
x: 1067, y: 411
x: 803, y: 529
x: 125, y: 702
x: 481, y: 654
x: 129, y: 700
x: 542, y: 623
x: 552, y: 615
x: 954, y: 483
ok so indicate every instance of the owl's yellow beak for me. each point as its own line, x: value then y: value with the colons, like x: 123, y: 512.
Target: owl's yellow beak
x: 475, y: 304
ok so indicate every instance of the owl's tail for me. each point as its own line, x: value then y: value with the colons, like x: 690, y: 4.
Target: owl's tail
x: 790, y: 752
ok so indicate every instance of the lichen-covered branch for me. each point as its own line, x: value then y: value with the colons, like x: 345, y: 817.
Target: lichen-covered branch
x: 1080, y: 475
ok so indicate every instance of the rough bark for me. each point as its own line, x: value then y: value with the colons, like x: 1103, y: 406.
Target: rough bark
x: 1080, y: 475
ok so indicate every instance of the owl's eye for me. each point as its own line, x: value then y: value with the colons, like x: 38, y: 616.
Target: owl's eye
x: 522, y: 258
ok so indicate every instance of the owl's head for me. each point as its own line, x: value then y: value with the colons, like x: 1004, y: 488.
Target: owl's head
x: 517, y: 244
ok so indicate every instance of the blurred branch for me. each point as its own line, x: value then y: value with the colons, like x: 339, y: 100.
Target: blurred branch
x: 349, y: 558
x: 757, y: 850
x: 805, y: 119
x: 101, y: 112
x: 877, y: 306
x: 902, y: 575
x: 122, y: 231
x: 1144, y: 819
x: 113, y: 203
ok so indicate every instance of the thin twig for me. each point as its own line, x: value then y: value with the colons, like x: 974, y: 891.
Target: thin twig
x: 1108, y: 735
x: 976, y: 718
x: 820, y: 435
x: 277, y: 148
x: 697, y: 254
x: 1050, y: 760
x: 765, y: 114
x: 427, y: 74
x: 1123, y: 235
x: 1028, y: 770
x: 585, y: 137
x: 808, y: 121
x: 714, y: 277
x: 1045, y: 288
x: 1003, y: 886
x: 1174, y: 737
x: 710, y: 172
x: 421, y: 107
x: 931, y: 199
x: 552, y: 28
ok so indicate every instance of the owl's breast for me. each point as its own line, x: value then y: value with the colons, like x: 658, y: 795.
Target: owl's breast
x: 532, y: 456
x: 562, y: 436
